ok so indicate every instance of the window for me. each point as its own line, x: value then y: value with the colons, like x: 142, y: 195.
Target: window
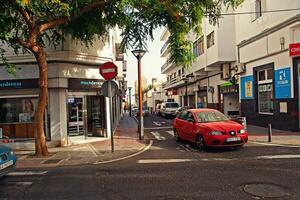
x: 182, y: 70
x: 258, y: 12
x: 17, y: 109
x: 210, y: 39
x: 179, y: 72
x: 265, y: 91
x: 198, y: 47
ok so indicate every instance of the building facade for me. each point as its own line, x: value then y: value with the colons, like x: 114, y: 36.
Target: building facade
x: 75, y: 105
x: 247, y: 65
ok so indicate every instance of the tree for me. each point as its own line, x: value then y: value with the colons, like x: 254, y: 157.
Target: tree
x: 30, y: 25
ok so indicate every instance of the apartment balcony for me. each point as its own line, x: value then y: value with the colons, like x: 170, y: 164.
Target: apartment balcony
x: 166, y: 66
x: 174, y: 83
x: 164, y: 50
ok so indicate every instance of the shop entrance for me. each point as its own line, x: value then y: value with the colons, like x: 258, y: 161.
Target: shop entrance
x: 96, y: 116
x: 75, y: 116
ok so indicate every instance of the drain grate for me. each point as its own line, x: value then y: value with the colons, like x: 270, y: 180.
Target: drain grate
x: 52, y: 161
x: 265, y: 190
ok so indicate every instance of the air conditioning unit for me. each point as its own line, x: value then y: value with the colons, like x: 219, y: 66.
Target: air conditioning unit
x: 240, y: 68
x: 225, y: 71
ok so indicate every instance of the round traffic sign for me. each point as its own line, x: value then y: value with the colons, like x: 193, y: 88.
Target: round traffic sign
x: 108, y: 70
x: 114, y: 89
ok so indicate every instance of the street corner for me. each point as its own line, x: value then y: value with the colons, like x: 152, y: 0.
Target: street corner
x: 119, y: 155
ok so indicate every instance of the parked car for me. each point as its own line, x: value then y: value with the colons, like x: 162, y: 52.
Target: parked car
x: 8, y: 160
x: 208, y: 128
x: 168, y: 109
x: 134, y: 110
x: 182, y: 109
x: 145, y: 112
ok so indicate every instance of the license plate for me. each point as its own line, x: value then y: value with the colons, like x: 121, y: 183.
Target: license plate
x: 7, y: 164
x: 233, y: 139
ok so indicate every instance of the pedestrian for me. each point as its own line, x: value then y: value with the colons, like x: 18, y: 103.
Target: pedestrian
x: 199, y: 104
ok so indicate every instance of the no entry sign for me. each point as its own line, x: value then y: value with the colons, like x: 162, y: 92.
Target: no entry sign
x: 108, y: 70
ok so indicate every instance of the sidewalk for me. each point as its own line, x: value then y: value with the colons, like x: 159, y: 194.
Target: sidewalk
x: 126, y: 143
x: 260, y: 134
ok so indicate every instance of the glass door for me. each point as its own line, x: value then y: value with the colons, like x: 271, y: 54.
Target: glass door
x: 95, y: 115
x: 75, y: 118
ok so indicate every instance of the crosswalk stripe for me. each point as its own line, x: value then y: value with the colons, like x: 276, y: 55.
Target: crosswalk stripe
x: 27, y: 173
x: 170, y: 132
x: 156, y: 161
x: 158, y: 136
x: 278, y: 156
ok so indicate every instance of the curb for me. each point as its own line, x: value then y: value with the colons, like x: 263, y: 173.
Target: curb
x: 140, y: 151
x: 274, y: 144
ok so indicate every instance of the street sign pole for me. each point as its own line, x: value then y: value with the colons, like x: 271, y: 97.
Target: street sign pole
x: 110, y: 115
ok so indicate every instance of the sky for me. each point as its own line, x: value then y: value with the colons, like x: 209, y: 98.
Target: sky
x: 150, y: 64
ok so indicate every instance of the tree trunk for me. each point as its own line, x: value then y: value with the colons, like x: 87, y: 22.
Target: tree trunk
x: 40, y: 144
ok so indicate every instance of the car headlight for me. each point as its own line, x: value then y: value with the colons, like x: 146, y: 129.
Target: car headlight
x: 242, y: 131
x: 215, y: 133
x: 11, y: 153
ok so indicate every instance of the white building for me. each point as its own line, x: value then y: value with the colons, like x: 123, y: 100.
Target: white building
x: 246, y: 65
x: 75, y: 105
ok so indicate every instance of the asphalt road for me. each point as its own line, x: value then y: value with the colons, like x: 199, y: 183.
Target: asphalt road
x: 167, y: 171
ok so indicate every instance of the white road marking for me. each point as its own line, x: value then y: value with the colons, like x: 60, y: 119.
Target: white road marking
x: 27, y: 173
x: 161, y: 127
x: 158, y: 136
x: 157, y: 123
x: 24, y: 183
x: 170, y: 132
x: 156, y: 161
x: 186, y: 148
x: 278, y: 156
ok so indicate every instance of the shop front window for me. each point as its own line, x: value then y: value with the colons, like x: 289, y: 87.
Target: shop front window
x: 265, y: 91
x: 17, y: 110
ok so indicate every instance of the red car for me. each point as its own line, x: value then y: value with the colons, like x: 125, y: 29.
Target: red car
x: 208, y: 128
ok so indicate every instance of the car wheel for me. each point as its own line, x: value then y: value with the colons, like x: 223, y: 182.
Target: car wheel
x: 200, y: 142
x: 176, y: 136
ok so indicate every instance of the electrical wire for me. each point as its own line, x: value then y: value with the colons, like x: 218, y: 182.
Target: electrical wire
x: 266, y: 11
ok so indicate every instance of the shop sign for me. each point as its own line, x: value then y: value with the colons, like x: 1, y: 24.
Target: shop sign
x: 246, y: 87
x: 84, y: 84
x: 294, y: 49
x: 229, y: 89
x: 283, y: 83
x: 19, y: 84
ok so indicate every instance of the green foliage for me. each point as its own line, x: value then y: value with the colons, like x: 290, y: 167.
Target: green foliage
x: 136, y: 18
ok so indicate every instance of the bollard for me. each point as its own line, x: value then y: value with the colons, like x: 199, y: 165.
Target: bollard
x: 269, y: 133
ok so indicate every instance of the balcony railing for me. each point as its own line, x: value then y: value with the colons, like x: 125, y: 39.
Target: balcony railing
x: 164, y: 47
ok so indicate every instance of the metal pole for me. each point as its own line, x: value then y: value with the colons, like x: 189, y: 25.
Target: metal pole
x: 110, y: 116
x: 141, y: 121
x: 130, y: 102
x: 186, y: 97
x: 269, y: 133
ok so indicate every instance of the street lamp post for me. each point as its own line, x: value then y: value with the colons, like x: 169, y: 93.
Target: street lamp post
x: 129, y: 88
x: 139, y: 53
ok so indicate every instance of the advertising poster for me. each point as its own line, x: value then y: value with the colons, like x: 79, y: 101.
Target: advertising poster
x: 283, y: 83
x: 246, y: 87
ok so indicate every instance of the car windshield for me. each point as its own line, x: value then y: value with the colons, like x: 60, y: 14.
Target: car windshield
x: 172, y: 105
x: 211, y: 116
x: 145, y: 108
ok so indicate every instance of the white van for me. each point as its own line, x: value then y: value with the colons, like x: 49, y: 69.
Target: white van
x: 168, y: 109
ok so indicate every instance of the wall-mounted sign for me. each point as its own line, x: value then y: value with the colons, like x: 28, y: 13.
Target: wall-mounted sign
x: 283, y: 83
x: 229, y: 89
x: 246, y: 87
x: 19, y: 84
x: 84, y: 84
x: 294, y: 49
